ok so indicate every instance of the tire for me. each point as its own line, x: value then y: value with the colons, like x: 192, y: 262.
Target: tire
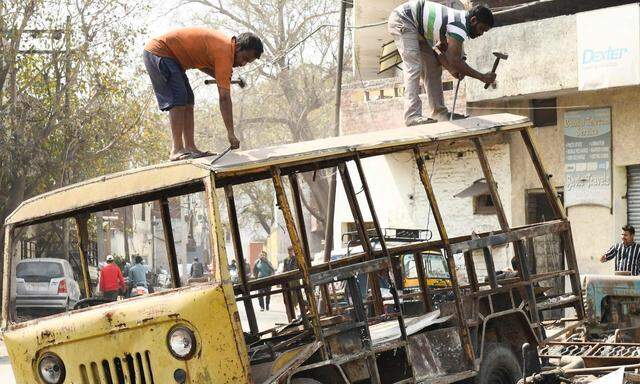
x: 304, y: 380
x: 499, y: 366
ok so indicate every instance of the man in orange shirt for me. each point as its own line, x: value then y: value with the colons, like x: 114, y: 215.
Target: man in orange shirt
x: 111, y: 280
x: 167, y: 57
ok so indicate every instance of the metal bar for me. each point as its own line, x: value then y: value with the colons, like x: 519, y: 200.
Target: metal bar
x: 288, y: 302
x: 552, y: 194
x: 422, y: 280
x: 395, y: 277
x: 435, y: 209
x: 283, y: 203
x: 528, y: 289
x: 572, y: 263
x: 349, y: 271
x: 237, y: 247
x: 362, y: 233
x: 471, y: 271
x: 509, y: 237
x: 493, y: 237
x: 297, y: 204
x: 7, y: 272
x: 365, y: 336
x: 169, y: 242
x: 493, y: 190
x: 83, y: 243
x: 491, y: 268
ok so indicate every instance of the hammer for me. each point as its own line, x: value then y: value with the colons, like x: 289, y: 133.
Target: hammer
x: 498, y: 55
x: 240, y: 81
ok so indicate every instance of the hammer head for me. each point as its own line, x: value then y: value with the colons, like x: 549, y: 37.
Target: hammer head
x: 500, y: 55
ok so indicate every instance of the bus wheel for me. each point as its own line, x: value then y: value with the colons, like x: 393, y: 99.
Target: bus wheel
x: 499, y: 366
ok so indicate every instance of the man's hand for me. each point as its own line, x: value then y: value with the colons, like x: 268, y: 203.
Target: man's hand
x: 488, y: 78
x: 603, y: 258
x: 233, y: 141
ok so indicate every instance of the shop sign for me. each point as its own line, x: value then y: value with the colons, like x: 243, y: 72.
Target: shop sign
x: 587, y: 151
x: 608, y: 47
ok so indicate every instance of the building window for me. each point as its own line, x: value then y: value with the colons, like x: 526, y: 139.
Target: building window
x: 143, y: 212
x: 483, y: 205
x: 545, y: 113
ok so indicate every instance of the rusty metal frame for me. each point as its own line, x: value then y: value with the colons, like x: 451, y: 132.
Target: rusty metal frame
x: 169, y: 242
x: 350, y: 193
x: 283, y: 204
x: 83, y: 242
x: 435, y: 209
x: 297, y: 205
x: 237, y: 247
x: 7, y: 272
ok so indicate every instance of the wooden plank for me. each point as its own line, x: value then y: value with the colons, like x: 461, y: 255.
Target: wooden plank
x: 349, y: 271
x: 169, y: 242
x: 240, y: 263
x: 550, y: 191
x: 283, y: 204
x: 462, y: 324
x: 83, y: 244
x: 362, y: 233
x: 509, y: 237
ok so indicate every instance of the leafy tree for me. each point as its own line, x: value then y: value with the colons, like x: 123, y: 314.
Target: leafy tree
x: 72, y: 103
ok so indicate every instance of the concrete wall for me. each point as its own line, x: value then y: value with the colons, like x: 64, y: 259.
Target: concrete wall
x: 542, y: 59
x: 595, y: 228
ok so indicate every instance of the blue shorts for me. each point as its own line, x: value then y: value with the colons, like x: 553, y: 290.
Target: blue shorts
x: 170, y: 82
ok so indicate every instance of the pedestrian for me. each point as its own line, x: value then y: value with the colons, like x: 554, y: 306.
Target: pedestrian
x: 111, y: 280
x: 290, y: 263
x: 626, y: 253
x: 430, y: 36
x: 138, y: 274
x: 263, y: 268
x: 197, y: 269
x: 168, y: 56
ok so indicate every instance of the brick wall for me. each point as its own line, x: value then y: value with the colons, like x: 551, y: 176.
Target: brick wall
x: 374, y: 105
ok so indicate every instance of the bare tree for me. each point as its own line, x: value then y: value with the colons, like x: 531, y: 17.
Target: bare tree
x: 291, y: 93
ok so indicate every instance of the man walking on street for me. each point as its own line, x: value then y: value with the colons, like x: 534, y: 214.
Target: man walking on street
x: 167, y: 57
x: 429, y: 36
x: 263, y: 268
x: 626, y: 254
x: 197, y: 269
x: 111, y: 280
x: 138, y: 274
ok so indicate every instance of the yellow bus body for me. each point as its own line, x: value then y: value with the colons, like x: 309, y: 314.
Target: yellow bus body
x: 90, y: 341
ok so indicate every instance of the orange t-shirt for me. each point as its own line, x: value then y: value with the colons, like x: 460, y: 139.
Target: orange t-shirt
x: 198, y: 48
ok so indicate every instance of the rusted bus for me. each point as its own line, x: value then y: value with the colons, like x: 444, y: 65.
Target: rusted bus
x: 340, y: 345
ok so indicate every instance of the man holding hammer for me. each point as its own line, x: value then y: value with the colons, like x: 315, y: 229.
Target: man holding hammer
x: 429, y: 36
x: 167, y: 57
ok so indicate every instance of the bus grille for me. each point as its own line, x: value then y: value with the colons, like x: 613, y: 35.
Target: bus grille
x: 133, y: 368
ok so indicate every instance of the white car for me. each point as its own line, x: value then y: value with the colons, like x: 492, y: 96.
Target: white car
x: 46, y: 283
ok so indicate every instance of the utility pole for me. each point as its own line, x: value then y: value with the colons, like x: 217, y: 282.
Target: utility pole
x: 331, y: 203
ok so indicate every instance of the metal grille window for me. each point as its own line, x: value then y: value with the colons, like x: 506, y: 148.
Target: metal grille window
x: 633, y: 195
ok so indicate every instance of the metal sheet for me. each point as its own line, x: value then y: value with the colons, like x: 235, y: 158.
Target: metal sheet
x: 633, y: 195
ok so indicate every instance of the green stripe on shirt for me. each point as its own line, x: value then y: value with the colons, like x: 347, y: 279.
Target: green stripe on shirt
x: 432, y: 19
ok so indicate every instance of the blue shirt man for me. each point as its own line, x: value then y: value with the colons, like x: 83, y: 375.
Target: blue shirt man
x: 138, y: 274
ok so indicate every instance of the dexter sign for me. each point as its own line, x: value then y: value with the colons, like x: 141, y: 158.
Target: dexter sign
x: 601, y: 64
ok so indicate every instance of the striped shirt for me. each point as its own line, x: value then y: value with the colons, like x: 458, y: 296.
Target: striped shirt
x: 436, y: 22
x: 627, y: 258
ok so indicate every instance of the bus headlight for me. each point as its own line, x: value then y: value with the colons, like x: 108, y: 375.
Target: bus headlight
x: 51, y: 369
x: 182, y: 342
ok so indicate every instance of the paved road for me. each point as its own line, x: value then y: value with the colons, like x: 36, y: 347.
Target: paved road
x: 266, y: 320
x: 6, y: 375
